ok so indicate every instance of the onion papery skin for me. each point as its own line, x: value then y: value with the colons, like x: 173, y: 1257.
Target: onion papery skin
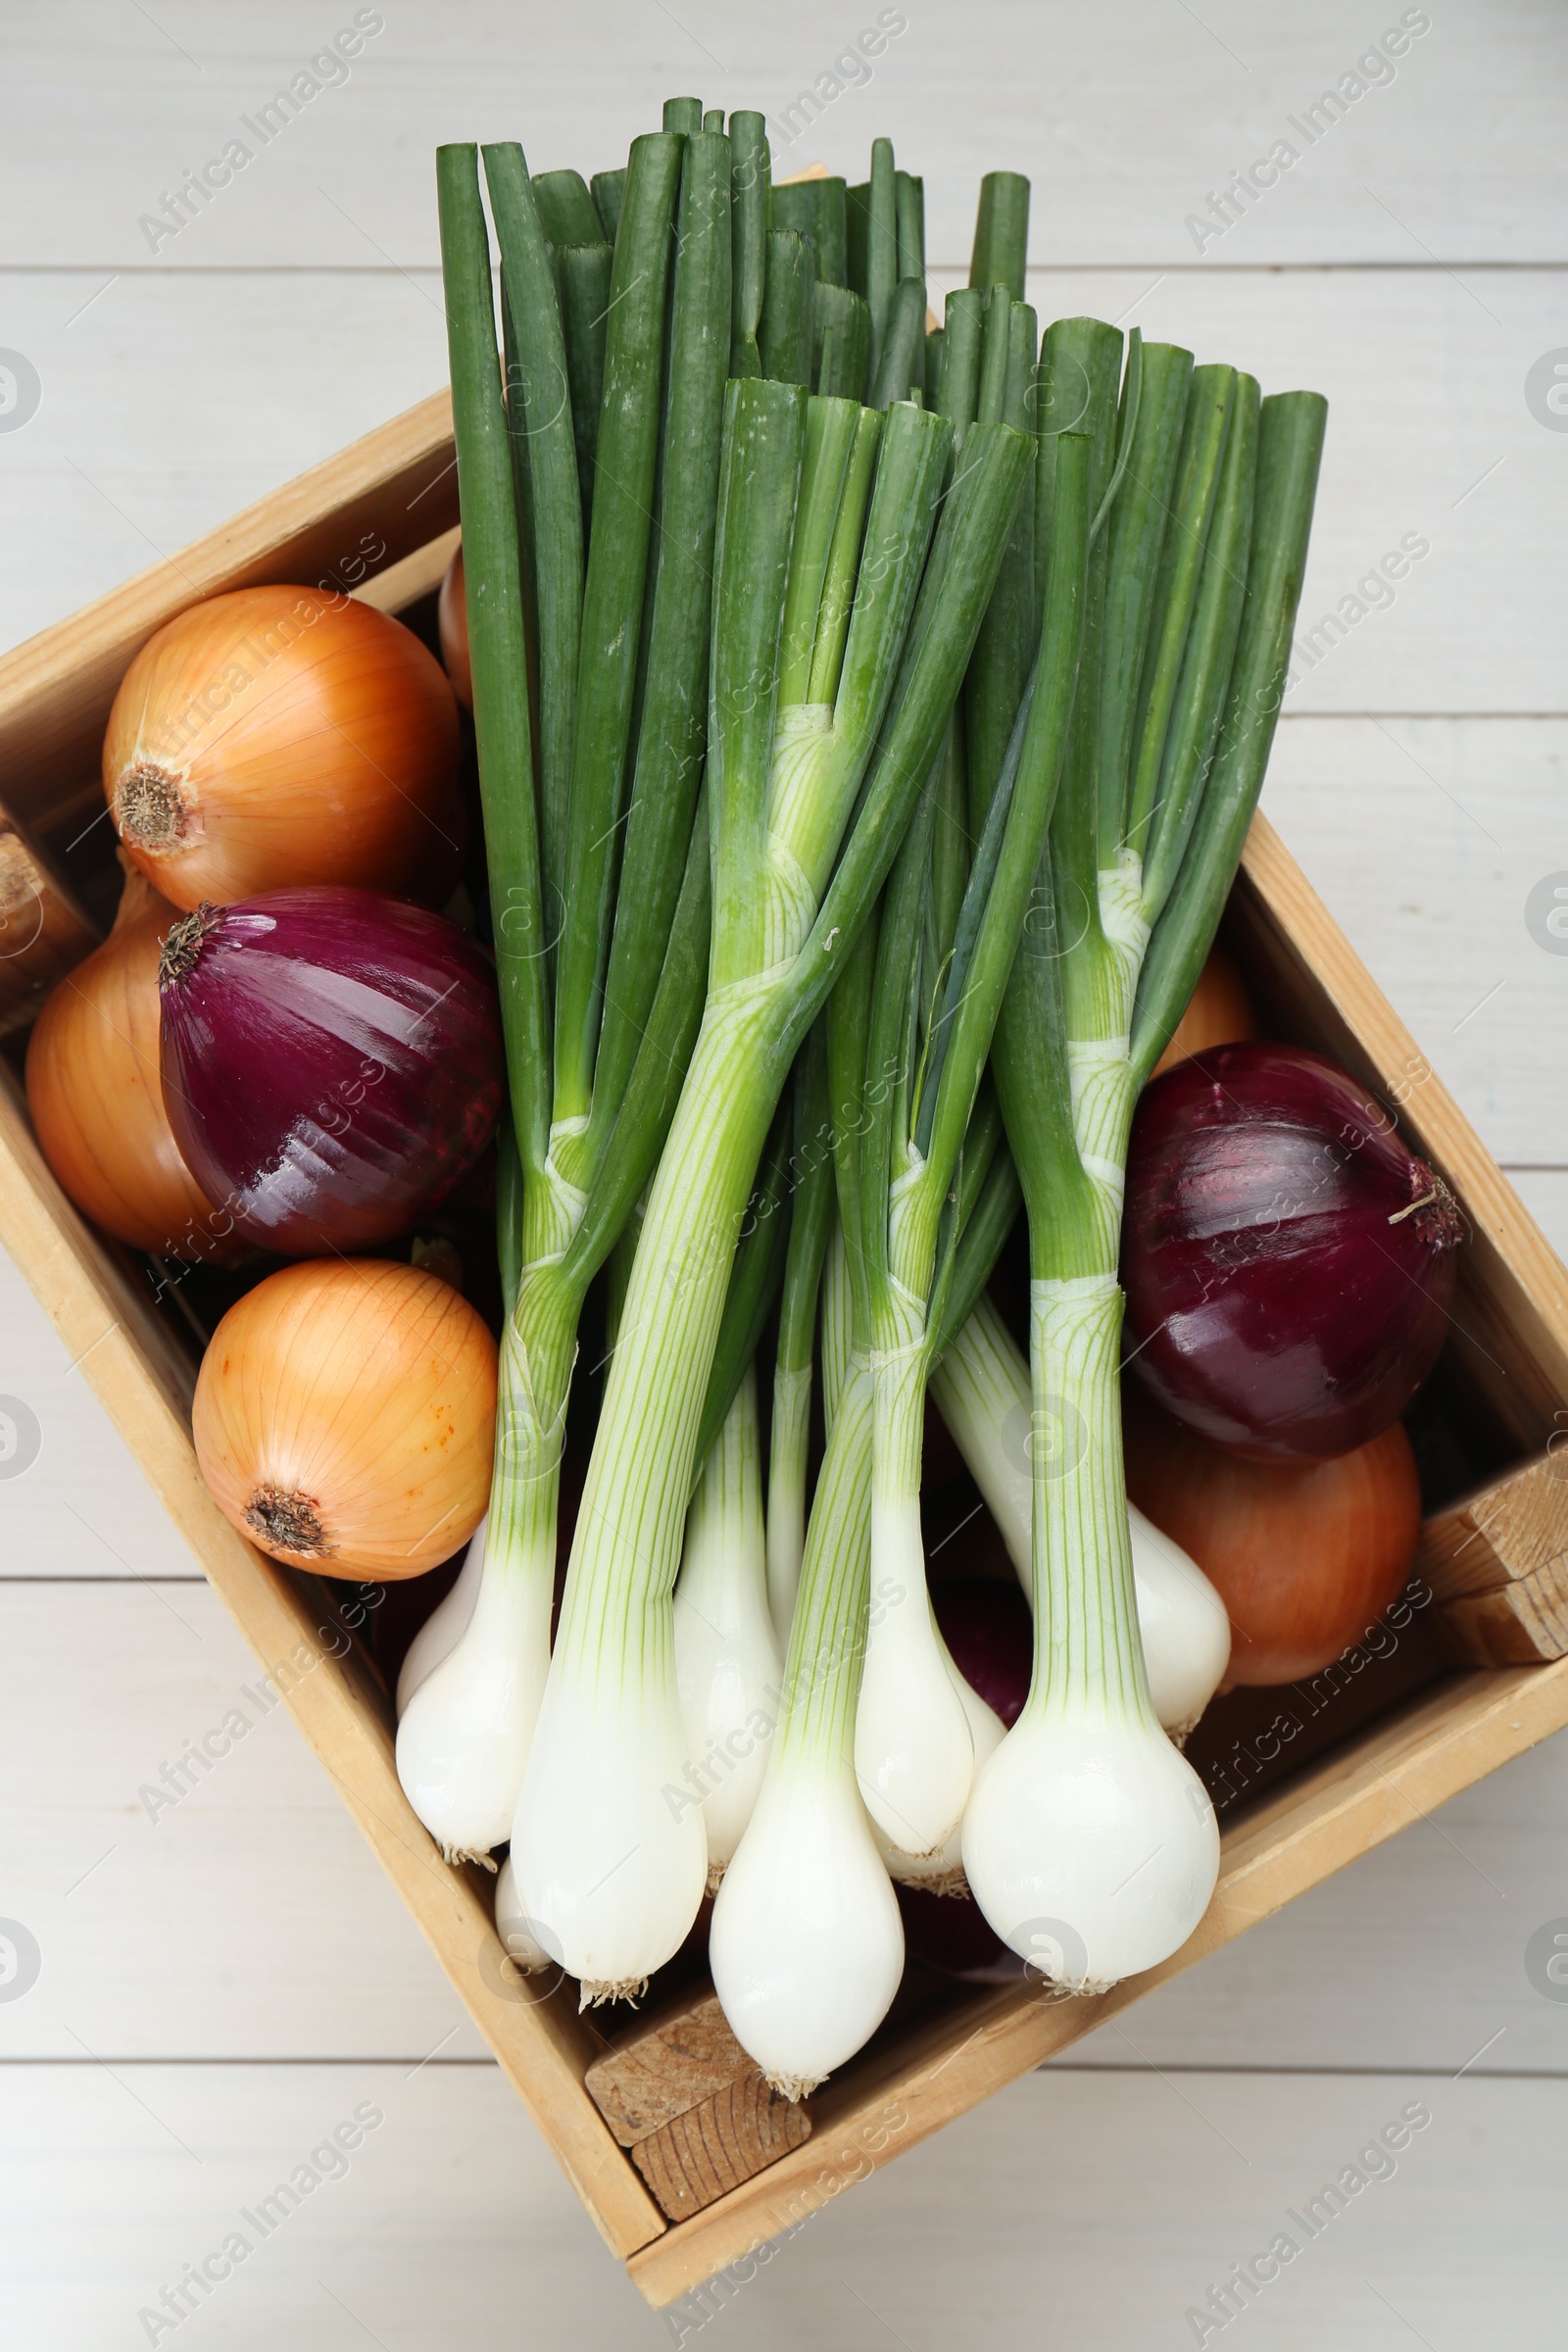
x: 1219, y: 1012
x: 452, y: 619
x: 283, y: 735
x: 1288, y: 1265
x: 332, y: 1063
x: 97, y: 1102
x: 344, y: 1417
x: 1305, y: 1555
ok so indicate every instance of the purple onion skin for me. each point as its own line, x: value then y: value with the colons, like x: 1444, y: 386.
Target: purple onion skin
x: 333, y: 1062
x: 955, y: 1936
x: 1278, y: 1302
x: 988, y: 1628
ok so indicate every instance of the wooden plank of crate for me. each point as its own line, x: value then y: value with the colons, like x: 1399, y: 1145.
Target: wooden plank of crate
x: 1519, y: 1624
x: 1510, y: 1313
x: 699, y: 2156
x: 1330, y: 1817
x: 115, y: 1338
x: 374, y: 504
x: 1498, y: 1562
x: 667, y: 2061
x: 417, y: 575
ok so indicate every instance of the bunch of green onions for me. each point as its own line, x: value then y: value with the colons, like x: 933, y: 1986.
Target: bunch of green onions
x: 868, y: 723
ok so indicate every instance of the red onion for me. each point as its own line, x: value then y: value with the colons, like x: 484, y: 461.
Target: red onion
x: 331, y: 1062
x: 955, y: 1937
x: 1288, y: 1265
x: 988, y: 1627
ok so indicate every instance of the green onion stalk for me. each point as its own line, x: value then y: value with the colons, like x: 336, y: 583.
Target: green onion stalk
x: 844, y: 613
x: 727, y: 1653
x: 914, y: 1750
x: 811, y: 1226
x: 980, y: 1385
x: 878, y: 1735
x: 1089, y: 1841
x: 807, y: 1944
x: 599, y: 875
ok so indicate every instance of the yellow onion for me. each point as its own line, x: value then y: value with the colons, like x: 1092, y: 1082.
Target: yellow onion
x: 452, y: 618
x: 1219, y: 1012
x: 97, y: 1102
x: 344, y: 1417
x: 285, y: 735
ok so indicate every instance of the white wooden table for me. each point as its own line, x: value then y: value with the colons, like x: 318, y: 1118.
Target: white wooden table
x: 223, y: 1985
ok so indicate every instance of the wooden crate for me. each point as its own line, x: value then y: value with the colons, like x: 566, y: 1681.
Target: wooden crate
x: 390, y: 503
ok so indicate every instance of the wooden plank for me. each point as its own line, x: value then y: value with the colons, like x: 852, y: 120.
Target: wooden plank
x: 420, y: 574
x: 543, y: 2047
x: 112, y: 1809
x: 1499, y: 1561
x: 1425, y: 838
x: 397, y: 487
x: 1119, y: 2191
x: 446, y: 2218
x: 1348, y: 1804
x: 1545, y: 1193
x: 726, y: 2139
x: 656, y: 2069
x: 1192, y: 98
x: 85, y: 1509
x: 1516, y: 1625
x: 90, y: 496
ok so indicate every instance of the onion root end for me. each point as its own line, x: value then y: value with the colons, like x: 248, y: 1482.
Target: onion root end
x: 288, y: 1521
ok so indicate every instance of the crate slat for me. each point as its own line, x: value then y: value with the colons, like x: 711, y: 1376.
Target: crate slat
x: 1498, y: 1561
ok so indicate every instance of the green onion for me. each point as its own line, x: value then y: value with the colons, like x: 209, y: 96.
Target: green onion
x: 609, y: 188
x: 914, y: 1744
x: 792, y: 883
x: 566, y: 211
x: 1001, y: 234
x: 841, y: 342
x: 1096, y: 1891
x: 582, y: 283
x: 817, y: 208
x: 784, y: 338
x: 751, y: 176
x: 628, y: 965
x: 726, y: 1655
